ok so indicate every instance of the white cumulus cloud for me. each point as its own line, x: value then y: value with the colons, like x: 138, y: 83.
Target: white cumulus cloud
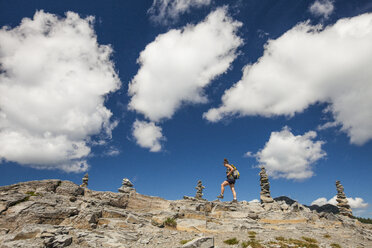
x: 53, y: 80
x: 176, y: 67
x: 306, y: 65
x: 288, y: 156
x: 356, y: 202
x: 148, y: 135
x: 320, y: 201
x: 165, y: 11
x: 322, y: 8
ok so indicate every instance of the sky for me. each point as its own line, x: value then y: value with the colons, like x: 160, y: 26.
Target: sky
x: 160, y: 92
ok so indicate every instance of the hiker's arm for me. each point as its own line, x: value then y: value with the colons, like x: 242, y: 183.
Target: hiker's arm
x: 231, y: 170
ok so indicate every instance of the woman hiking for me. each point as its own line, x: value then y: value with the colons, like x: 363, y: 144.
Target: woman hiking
x: 230, y: 180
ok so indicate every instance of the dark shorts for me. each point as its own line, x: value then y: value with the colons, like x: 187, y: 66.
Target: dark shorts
x: 230, y: 180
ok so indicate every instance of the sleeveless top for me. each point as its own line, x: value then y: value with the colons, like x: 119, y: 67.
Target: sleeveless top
x: 231, y: 175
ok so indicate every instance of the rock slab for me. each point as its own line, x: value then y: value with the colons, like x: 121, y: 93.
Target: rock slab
x: 203, y: 242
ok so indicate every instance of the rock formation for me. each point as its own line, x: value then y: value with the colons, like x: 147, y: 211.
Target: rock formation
x: 265, y: 187
x: 126, y: 187
x: 342, y: 202
x: 85, y: 181
x: 199, y: 190
x: 56, y: 213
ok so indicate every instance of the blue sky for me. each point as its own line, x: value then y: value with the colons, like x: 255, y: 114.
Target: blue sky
x: 161, y: 92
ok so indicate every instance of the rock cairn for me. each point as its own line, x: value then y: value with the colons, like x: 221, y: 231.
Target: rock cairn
x: 199, y: 190
x: 126, y: 187
x: 342, y: 202
x: 265, y: 187
x: 85, y: 181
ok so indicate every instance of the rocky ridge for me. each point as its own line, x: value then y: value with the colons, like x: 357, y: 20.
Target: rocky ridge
x: 55, y: 213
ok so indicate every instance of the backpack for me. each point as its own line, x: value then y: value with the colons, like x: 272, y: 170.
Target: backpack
x: 235, y: 173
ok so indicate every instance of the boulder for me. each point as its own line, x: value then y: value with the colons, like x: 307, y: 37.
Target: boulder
x: 70, y: 189
x: 58, y: 241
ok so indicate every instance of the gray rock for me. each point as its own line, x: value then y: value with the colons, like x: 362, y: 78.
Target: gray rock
x: 133, y: 219
x: 272, y: 207
x: 126, y: 187
x: 47, y: 235
x: 3, y: 231
x: 296, y: 207
x: 253, y: 216
x: 57, y: 241
x: 9, y: 200
x: 114, y: 213
x: 62, y: 241
x: 3, y: 207
x: 284, y: 206
x: 331, y: 217
x: 203, y: 242
x: 70, y: 189
x: 35, y: 186
x: 130, y: 236
x: 145, y: 241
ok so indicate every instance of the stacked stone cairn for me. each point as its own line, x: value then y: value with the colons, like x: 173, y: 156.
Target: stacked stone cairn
x: 126, y: 187
x: 342, y: 202
x: 265, y: 187
x: 85, y: 181
x: 199, y: 190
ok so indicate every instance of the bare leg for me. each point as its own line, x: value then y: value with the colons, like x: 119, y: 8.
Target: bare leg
x: 223, y: 187
x: 232, y: 186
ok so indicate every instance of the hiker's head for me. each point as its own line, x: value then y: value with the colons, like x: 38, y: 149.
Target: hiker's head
x: 225, y: 161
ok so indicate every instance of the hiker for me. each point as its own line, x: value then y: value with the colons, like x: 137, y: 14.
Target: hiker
x: 230, y: 180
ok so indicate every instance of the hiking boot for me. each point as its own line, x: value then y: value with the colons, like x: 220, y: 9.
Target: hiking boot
x: 220, y: 196
x: 235, y: 201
